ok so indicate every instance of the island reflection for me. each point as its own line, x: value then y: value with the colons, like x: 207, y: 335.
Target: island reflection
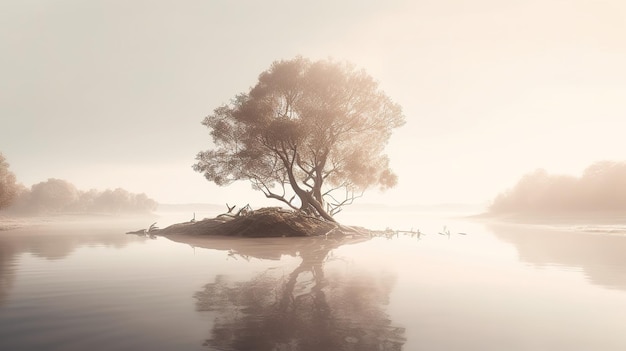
x: 322, y: 304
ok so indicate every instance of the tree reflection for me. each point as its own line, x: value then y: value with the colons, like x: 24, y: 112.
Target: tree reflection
x: 305, y: 309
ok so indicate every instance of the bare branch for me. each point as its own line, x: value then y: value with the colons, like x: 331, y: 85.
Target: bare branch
x: 336, y: 205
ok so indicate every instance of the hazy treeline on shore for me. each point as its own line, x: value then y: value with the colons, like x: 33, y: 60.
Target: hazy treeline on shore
x: 600, y: 189
x: 57, y: 195
x: 61, y: 196
x: 8, y: 185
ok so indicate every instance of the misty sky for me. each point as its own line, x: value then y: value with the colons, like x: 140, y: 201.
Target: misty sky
x: 107, y: 93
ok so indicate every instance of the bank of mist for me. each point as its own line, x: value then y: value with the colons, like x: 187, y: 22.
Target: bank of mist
x: 57, y: 196
x: 599, y: 191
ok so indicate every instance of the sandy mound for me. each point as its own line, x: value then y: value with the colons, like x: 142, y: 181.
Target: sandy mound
x: 265, y: 222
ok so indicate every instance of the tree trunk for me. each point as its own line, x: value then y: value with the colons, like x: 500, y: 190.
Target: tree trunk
x: 319, y: 178
x: 312, y: 202
x: 306, y: 198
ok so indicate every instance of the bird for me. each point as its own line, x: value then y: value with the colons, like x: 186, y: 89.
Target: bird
x: 446, y: 231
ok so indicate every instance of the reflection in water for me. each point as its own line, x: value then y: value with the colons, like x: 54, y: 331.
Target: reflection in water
x: 305, y: 309
x: 7, y: 269
x: 63, y: 238
x: 87, y: 287
x: 55, y: 241
x: 601, y: 256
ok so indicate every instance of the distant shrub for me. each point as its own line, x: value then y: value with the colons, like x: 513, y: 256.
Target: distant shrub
x: 53, y: 195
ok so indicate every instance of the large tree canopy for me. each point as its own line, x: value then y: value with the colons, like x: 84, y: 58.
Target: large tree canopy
x: 309, y: 134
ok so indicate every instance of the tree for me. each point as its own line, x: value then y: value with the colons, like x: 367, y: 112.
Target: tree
x: 121, y: 201
x: 309, y: 134
x: 600, y: 189
x: 53, y: 195
x: 8, y: 186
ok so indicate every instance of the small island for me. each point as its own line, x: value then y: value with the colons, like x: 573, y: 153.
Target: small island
x: 265, y: 222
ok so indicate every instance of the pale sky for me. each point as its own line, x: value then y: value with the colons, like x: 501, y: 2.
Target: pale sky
x: 108, y: 94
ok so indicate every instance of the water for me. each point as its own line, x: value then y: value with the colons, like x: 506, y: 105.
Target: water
x: 86, y: 285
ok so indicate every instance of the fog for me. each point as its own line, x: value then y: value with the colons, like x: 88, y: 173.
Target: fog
x: 110, y: 94
x: 600, y: 189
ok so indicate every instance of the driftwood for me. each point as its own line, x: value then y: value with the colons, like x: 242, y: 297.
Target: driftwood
x: 150, y: 231
x: 244, y: 211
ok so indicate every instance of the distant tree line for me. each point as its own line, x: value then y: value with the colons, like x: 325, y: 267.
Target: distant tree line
x: 57, y: 195
x: 601, y: 189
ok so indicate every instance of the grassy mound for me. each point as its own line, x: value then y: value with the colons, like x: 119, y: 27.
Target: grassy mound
x: 265, y: 222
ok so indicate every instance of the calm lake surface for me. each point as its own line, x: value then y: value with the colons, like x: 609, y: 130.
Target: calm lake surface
x: 88, y: 286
